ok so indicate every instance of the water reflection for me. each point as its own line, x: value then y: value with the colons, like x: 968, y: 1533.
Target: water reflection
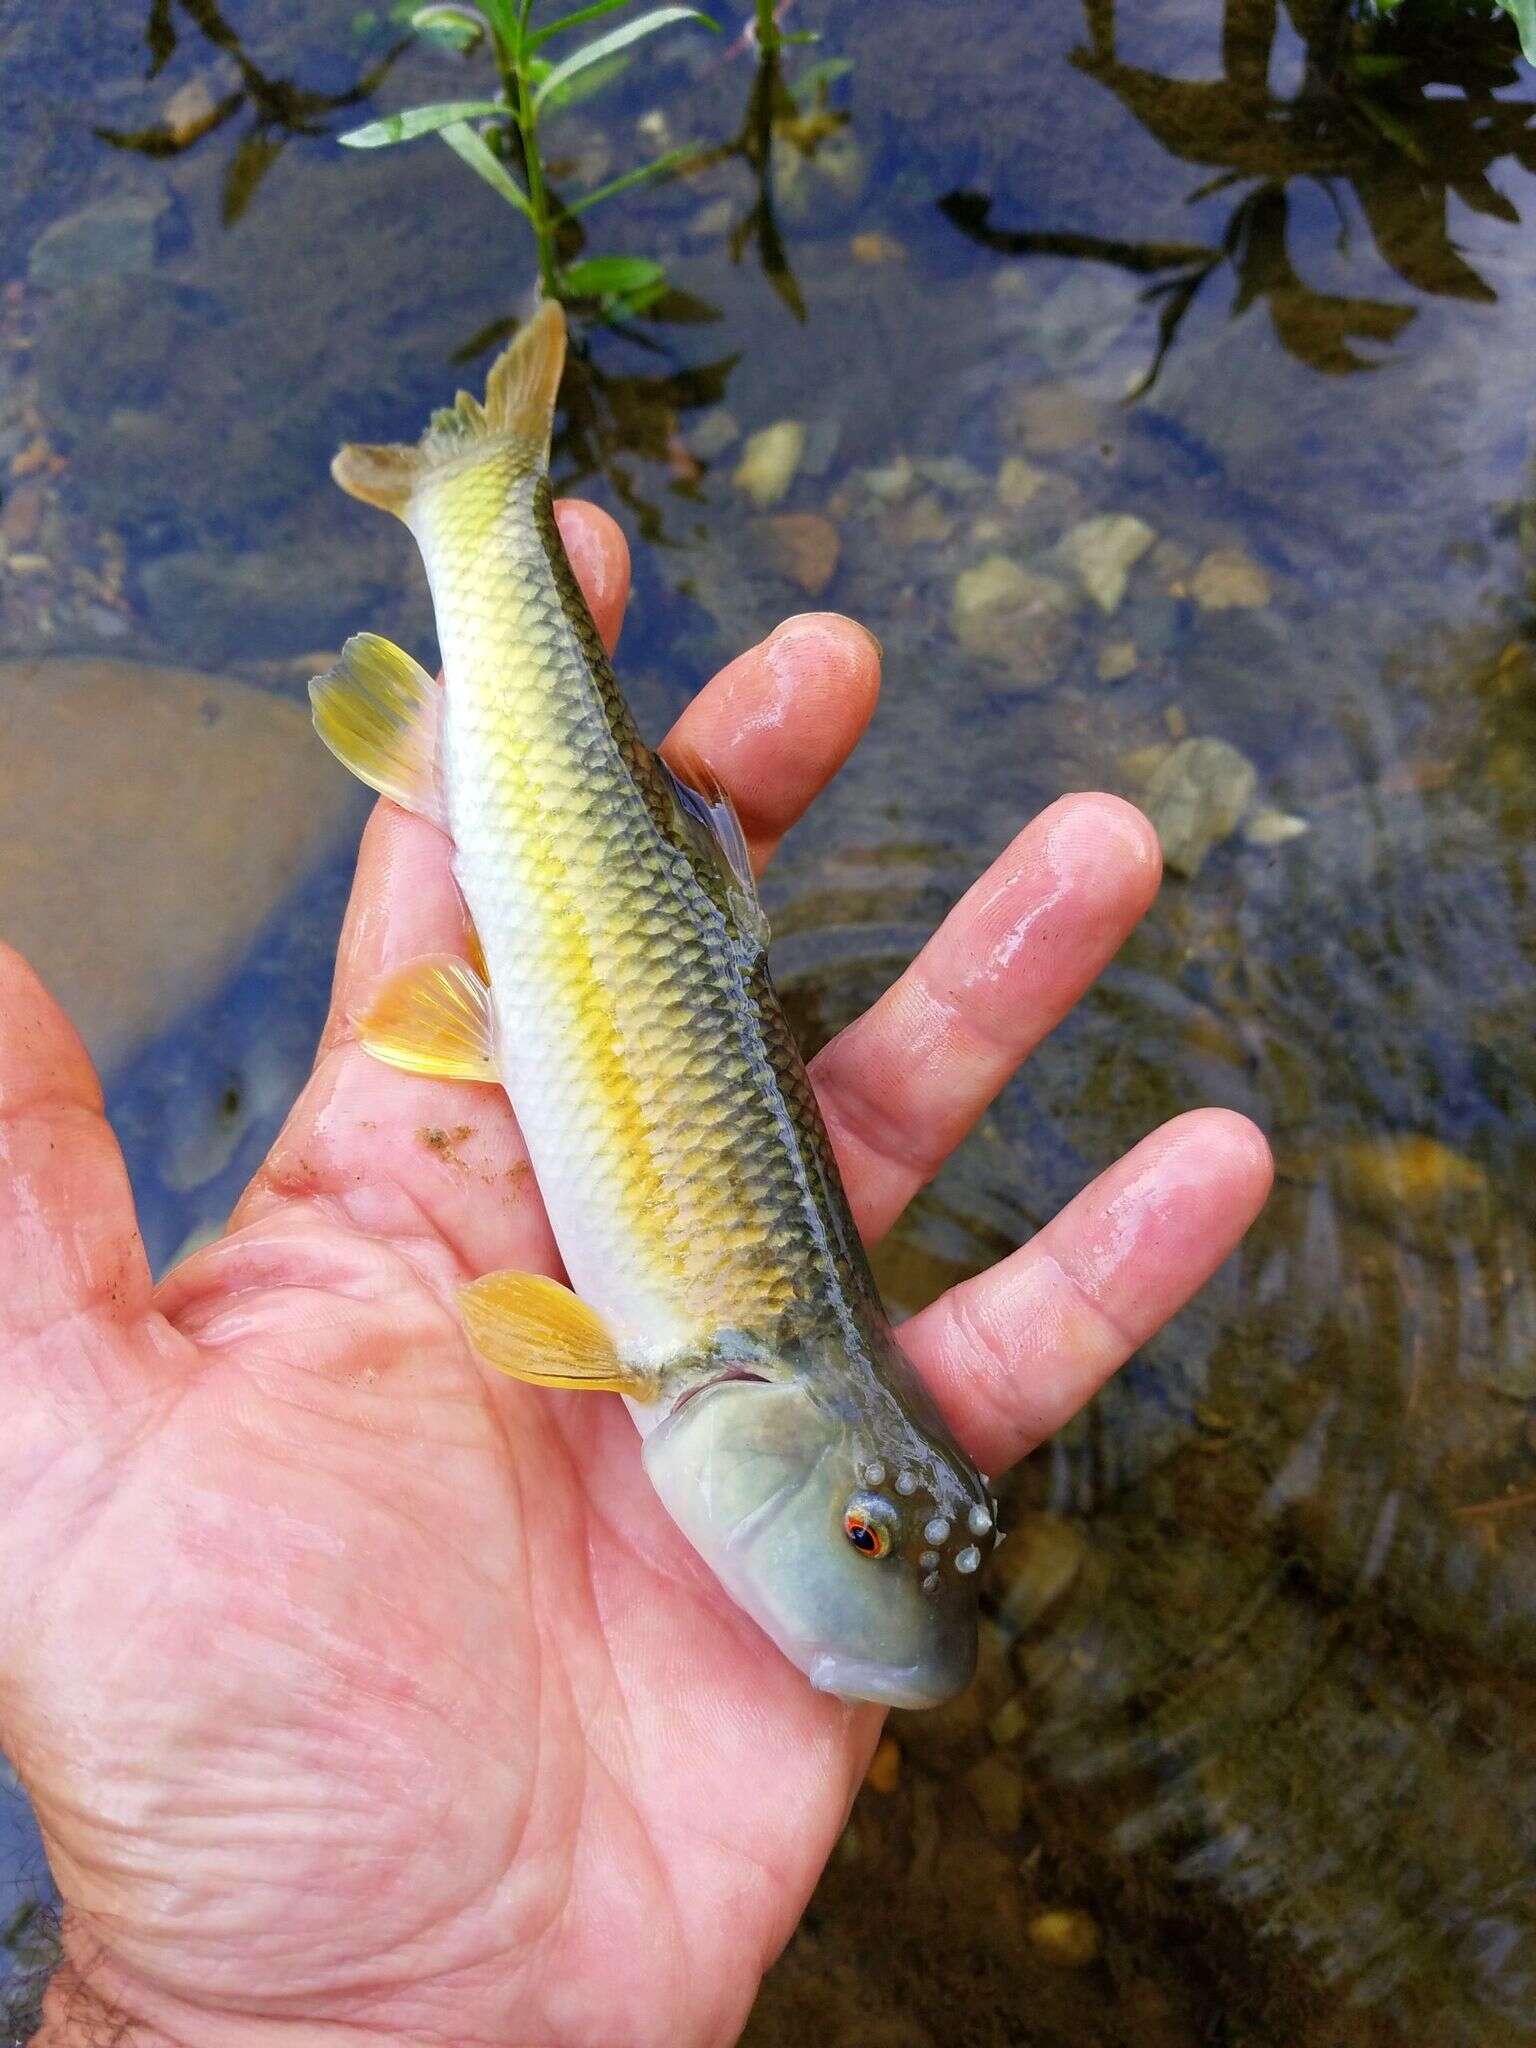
x: 1400, y: 110
x: 280, y: 107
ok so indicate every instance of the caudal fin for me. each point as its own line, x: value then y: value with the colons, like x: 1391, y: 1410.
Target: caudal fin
x: 520, y: 395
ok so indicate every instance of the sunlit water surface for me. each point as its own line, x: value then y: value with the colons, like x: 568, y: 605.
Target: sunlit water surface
x: 1251, y: 1755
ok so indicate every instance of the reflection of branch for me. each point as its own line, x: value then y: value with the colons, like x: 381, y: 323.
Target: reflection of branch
x: 282, y: 109
x: 1400, y: 149
x: 770, y: 101
x: 968, y: 211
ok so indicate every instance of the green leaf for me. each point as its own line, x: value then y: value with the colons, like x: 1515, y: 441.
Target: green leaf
x: 606, y: 277
x: 577, y: 20
x: 456, y: 27
x: 473, y: 150
x: 615, y: 40
x: 1524, y: 14
x: 659, y: 167
x: 404, y: 127
x: 590, y: 82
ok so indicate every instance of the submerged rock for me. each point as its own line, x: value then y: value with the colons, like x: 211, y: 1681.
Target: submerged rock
x: 197, y: 801
x: 1051, y: 418
x: 769, y: 461
x: 1018, y: 481
x: 1009, y: 616
x: 998, y: 1790
x: 1066, y: 1936
x: 713, y: 432
x: 804, y: 546
x: 1227, y: 579
x: 1102, y: 551
x: 113, y: 238
x: 1195, y: 799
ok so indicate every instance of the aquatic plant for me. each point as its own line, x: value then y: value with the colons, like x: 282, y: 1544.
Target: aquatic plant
x: 500, y: 138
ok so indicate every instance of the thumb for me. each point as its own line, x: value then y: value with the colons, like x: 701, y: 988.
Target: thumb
x: 78, y: 1347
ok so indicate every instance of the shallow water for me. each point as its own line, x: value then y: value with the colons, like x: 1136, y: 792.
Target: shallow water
x: 1250, y: 1759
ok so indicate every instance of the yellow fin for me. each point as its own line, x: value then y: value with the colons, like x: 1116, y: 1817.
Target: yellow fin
x: 433, y: 1017
x: 536, y: 1330
x: 381, y: 473
x: 378, y: 711
x: 520, y: 395
x: 524, y: 381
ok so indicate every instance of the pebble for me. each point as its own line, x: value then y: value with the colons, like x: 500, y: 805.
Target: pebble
x: 1229, y: 580
x: 998, y: 1790
x: 877, y: 248
x: 1265, y: 826
x: 189, y: 111
x: 714, y: 220
x: 884, y: 1773
x: 770, y: 460
x: 1036, y: 1569
x: 1116, y: 661
x: 1067, y: 1936
x: 713, y: 432
x: 1195, y: 799
x: 1018, y: 481
x: 1102, y: 551
x: 890, y: 482
x: 1051, y: 418
x: 1408, y: 1173
x: 1008, y: 615
x: 804, y: 547
x: 112, y: 238
x: 21, y: 517
x: 1009, y: 1722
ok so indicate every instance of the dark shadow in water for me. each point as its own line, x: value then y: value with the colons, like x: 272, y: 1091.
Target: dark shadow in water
x: 1366, y: 115
x: 773, y: 116
x: 280, y: 108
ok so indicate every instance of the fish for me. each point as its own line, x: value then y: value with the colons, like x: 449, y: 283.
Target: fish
x: 621, y: 996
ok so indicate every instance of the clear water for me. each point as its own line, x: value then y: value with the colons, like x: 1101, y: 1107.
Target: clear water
x: 1257, y: 1701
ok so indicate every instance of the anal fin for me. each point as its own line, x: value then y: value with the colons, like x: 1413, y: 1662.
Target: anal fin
x: 433, y: 1017
x: 378, y: 711
x: 536, y: 1330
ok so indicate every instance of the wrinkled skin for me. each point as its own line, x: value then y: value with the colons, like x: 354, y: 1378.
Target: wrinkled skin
x: 366, y: 1697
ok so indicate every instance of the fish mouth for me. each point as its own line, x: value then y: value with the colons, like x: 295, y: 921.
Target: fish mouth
x: 858, y: 1680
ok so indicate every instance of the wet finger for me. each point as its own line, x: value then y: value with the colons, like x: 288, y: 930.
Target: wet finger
x: 777, y: 723
x: 599, y: 553
x: 901, y: 1087
x: 1013, y: 1354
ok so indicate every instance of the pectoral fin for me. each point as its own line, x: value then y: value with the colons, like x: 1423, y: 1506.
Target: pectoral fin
x: 433, y: 1017
x: 377, y: 711
x: 538, y: 1331
x: 702, y: 797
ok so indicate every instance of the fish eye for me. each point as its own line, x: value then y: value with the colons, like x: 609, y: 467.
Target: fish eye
x: 871, y: 1524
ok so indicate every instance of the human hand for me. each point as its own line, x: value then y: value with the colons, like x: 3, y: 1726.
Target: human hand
x: 364, y: 1695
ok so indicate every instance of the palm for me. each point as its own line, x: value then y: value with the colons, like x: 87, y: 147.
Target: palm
x: 355, y: 1686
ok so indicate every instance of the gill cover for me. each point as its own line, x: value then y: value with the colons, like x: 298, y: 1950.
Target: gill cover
x: 759, y: 1478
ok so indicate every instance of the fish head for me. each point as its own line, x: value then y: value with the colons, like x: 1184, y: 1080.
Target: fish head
x: 860, y: 1568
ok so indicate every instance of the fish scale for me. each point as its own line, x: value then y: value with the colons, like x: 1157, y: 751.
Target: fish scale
x: 652, y: 1099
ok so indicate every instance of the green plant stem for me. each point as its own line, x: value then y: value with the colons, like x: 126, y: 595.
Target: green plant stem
x: 538, y: 197
x: 768, y: 37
